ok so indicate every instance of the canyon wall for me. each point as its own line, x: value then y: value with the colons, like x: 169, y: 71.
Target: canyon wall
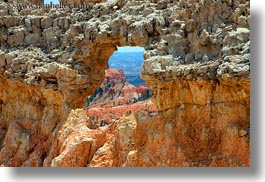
x: 197, y: 60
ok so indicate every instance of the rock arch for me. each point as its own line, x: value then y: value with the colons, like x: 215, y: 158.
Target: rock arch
x: 196, y: 59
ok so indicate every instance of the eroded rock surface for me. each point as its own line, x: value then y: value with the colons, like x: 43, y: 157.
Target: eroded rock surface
x: 197, y: 60
x: 116, y: 97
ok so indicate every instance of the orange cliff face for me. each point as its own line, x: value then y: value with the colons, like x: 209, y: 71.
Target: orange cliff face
x: 78, y: 145
x: 189, y: 135
x: 200, y: 127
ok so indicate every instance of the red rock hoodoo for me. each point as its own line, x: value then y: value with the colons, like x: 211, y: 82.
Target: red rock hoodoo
x: 116, y: 98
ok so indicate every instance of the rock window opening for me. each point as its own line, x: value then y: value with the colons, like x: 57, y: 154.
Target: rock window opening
x: 122, y: 92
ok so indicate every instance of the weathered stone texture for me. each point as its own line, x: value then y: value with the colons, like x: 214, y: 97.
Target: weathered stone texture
x: 197, y: 60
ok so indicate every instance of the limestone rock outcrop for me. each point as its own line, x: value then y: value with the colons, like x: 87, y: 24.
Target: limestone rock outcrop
x: 197, y: 60
x: 80, y: 146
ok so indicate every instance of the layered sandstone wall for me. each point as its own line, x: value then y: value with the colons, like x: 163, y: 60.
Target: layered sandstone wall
x: 197, y: 60
x: 207, y: 125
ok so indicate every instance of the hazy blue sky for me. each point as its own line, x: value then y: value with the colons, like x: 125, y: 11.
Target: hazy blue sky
x: 53, y: 1
x: 130, y: 49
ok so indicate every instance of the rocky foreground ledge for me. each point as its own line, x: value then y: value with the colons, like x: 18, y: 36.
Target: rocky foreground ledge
x: 197, y: 60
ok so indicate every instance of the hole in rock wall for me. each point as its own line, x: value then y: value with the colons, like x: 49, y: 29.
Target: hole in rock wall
x: 130, y: 60
x: 122, y: 92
